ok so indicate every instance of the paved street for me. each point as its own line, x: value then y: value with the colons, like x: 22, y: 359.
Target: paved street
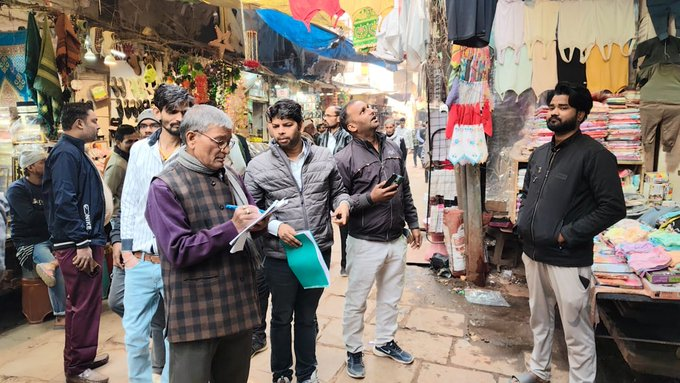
x: 452, y: 340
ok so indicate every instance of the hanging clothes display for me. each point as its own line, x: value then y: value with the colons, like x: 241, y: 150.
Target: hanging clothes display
x: 574, y: 71
x: 365, y: 18
x: 544, y: 68
x: 607, y: 74
x: 390, y: 41
x: 513, y: 73
x: 577, y: 29
x: 33, y: 44
x: 655, y: 51
x: 469, y: 21
x: 540, y: 25
x: 469, y: 117
x: 68, y: 48
x: 13, y: 83
x: 47, y: 81
x: 417, y: 33
x: 660, y: 11
x: 508, y: 27
x: 615, y: 26
x: 306, y: 10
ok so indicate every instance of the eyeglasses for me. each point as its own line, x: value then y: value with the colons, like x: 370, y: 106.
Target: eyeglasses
x: 220, y: 145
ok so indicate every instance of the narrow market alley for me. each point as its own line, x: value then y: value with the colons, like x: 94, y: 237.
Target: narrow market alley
x: 451, y: 339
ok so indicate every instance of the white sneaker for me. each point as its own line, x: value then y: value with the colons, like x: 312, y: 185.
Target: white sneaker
x: 314, y: 378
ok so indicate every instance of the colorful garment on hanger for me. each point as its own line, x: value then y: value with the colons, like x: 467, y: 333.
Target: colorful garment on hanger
x: 68, y: 48
x: 508, y: 27
x: 468, y: 144
x: 577, y: 29
x: 513, y: 73
x: 607, y: 74
x: 469, y: 114
x: 33, y: 44
x: 540, y: 26
x: 471, y: 64
x: 543, y: 67
x: 469, y: 22
x: 13, y: 84
x: 615, y: 26
x: 381, y: 7
x: 305, y: 10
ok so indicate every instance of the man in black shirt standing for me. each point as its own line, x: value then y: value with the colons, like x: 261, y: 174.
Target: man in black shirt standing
x: 29, y: 230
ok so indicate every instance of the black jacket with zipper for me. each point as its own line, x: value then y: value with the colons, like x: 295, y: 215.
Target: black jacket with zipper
x: 362, y: 168
x: 571, y: 189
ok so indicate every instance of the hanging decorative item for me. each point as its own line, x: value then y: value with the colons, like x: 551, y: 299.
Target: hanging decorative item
x: 365, y: 28
x: 252, y: 58
x: 222, y: 80
x: 201, y: 88
x: 222, y: 42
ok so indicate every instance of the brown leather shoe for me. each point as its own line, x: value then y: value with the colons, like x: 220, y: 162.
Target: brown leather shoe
x: 88, y: 376
x: 99, y: 361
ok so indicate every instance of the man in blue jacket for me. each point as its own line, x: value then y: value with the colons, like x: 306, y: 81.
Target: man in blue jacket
x: 75, y: 206
x: 571, y: 193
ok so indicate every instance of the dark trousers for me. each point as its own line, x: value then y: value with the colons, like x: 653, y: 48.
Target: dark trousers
x: 290, y: 299
x: 344, y: 231
x: 83, y: 310
x: 417, y: 151
x: 217, y: 360
x: 263, y: 298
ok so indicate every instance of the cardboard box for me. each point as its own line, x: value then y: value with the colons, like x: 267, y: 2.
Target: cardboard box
x: 663, y: 277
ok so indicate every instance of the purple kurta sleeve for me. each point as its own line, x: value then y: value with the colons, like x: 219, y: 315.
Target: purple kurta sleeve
x: 174, y: 237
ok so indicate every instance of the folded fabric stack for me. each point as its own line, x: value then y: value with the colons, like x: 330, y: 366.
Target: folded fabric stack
x: 624, y: 135
x: 538, y: 132
x: 596, y: 124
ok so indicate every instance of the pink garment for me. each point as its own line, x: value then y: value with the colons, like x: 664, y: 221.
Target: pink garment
x: 305, y: 10
x: 657, y: 259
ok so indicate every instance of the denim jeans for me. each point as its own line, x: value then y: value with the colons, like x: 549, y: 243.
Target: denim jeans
x: 143, y: 292
x: 290, y: 300
x: 116, y: 296
x: 57, y: 294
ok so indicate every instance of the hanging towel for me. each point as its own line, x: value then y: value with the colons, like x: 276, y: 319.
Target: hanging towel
x: 47, y: 82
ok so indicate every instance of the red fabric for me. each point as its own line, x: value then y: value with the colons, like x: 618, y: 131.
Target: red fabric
x: 469, y: 114
x: 305, y: 10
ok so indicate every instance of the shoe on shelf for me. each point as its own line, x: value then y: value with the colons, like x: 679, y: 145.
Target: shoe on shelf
x: 87, y: 376
x: 283, y: 379
x: 259, y: 345
x: 343, y: 272
x: 314, y: 378
x: 46, y: 273
x: 355, y: 365
x: 393, y: 351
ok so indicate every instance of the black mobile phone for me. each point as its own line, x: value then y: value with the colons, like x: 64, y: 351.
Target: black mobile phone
x: 394, y: 179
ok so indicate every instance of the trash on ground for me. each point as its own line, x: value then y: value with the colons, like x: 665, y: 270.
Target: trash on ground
x: 485, y: 297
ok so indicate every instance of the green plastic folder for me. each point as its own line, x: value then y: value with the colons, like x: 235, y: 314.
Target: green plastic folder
x: 307, y: 263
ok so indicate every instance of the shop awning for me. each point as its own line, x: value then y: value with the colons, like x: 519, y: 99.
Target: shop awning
x: 318, y: 40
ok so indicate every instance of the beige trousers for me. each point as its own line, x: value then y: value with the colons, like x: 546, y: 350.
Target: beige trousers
x: 382, y: 263
x: 550, y: 285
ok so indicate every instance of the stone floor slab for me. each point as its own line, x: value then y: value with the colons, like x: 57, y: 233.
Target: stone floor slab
x: 437, y: 373
x: 487, y: 357
x: 437, y: 322
x: 428, y: 347
x: 381, y: 370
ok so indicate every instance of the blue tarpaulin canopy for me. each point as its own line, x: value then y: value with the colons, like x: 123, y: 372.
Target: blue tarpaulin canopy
x: 320, y: 41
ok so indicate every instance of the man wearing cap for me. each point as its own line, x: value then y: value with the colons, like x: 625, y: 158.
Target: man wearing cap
x: 147, y: 123
x: 75, y: 207
x: 29, y: 230
x: 143, y: 283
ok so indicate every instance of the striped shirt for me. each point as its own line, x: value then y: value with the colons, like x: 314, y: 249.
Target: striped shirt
x: 145, y: 163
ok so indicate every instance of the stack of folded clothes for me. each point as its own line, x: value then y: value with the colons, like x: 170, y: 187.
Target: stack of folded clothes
x: 623, y: 130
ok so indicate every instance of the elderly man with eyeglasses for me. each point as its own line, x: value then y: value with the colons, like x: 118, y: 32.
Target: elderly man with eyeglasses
x: 210, y: 293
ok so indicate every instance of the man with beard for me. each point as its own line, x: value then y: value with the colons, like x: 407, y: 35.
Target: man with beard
x: 143, y: 283
x: 335, y: 139
x: 571, y: 193
x: 307, y: 175
x: 75, y: 207
x: 392, y: 135
x: 376, y: 245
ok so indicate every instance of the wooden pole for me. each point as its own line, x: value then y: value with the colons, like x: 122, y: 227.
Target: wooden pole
x: 474, y: 249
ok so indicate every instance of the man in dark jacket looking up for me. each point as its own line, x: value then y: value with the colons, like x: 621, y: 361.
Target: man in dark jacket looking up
x: 376, y: 245
x: 75, y: 208
x: 571, y: 193
x: 308, y: 177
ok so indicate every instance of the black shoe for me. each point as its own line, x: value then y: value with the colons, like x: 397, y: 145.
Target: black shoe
x: 343, y: 272
x: 393, y: 351
x: 258, y: 346
x: 355, y: 365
